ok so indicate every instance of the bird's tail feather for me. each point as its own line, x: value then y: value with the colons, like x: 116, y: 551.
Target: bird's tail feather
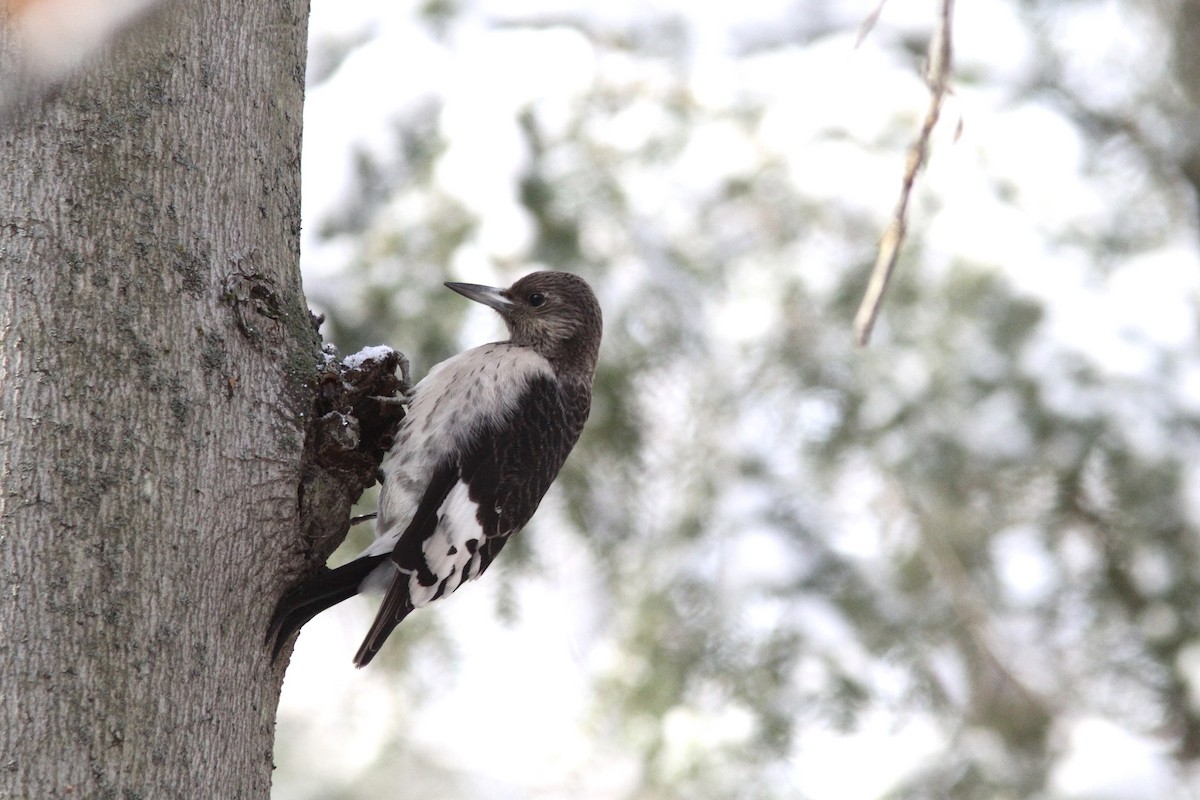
x: 395, y: 607
x: 309, y: 598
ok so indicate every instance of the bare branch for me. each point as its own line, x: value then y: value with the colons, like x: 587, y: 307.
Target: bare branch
x: 869, y: 22
x: 938, y: 78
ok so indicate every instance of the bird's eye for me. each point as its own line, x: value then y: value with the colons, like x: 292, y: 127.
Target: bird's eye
x: 536, y: 299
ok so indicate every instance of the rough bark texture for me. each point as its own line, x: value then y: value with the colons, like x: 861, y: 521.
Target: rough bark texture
x: 157, y: 368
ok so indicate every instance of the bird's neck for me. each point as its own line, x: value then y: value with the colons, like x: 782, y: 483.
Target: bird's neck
x: 566, y: 358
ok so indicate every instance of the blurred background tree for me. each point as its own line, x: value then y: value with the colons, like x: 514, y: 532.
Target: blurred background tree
x: 960, y: 563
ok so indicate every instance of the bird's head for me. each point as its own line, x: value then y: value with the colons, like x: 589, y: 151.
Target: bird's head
x: 556, y: 313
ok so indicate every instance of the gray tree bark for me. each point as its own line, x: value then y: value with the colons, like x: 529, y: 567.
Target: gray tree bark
x: 157, y: 367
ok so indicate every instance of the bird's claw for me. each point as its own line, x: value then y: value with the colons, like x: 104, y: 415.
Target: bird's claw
x: 405, y: 374
x: 407, y: 390
x: 400, y: 399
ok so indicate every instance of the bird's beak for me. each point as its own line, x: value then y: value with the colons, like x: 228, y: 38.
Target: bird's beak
x: 489, y: 296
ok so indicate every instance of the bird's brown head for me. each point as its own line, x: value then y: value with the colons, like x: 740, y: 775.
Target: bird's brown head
x: 556, y: 313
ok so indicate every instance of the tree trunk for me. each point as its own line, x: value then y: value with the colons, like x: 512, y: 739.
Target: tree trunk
x: 157, y: 365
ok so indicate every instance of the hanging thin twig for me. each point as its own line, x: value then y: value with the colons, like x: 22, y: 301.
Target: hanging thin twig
x: 938, y: 78
x: 869, y: 22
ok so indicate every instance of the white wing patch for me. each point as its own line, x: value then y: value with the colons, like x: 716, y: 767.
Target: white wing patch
x: 452, y: 548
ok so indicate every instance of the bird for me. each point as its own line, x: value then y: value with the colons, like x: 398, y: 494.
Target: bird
x: 486, y: 434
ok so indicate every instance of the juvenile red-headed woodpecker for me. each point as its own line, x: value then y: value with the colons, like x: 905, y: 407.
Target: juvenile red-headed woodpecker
x: 485, y: 435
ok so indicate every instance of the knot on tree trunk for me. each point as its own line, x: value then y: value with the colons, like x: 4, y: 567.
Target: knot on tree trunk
x: 355, y: 415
